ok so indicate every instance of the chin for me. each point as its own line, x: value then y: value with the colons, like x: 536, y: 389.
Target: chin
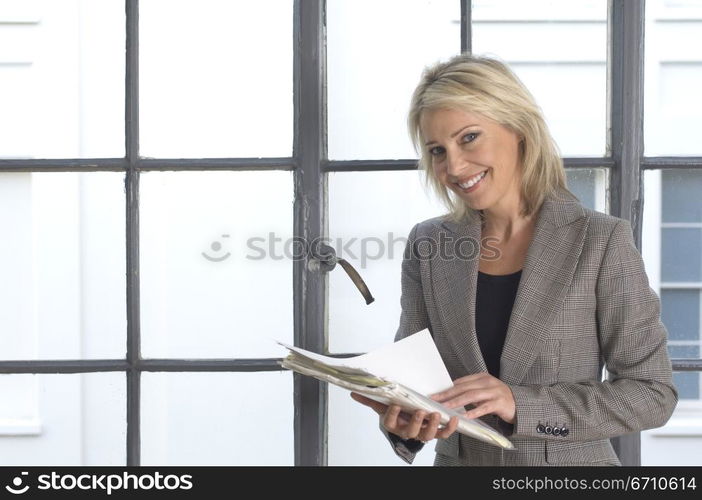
x: 475, y: 205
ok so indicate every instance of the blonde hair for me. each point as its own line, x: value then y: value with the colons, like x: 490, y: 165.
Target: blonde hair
x: 484, y: 85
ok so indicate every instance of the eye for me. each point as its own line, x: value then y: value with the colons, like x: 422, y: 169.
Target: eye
x: 436, y: 151
x: 470, y: 137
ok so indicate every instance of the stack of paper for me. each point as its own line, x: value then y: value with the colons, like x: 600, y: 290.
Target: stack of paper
x: 403, y: 373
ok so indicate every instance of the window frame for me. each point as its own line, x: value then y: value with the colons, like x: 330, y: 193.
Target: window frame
x: 310, y: 166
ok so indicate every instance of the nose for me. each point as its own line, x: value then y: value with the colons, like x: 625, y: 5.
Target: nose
x: 456, y: 164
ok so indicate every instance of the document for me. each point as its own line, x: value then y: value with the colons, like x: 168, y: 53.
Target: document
x: 405, y: 373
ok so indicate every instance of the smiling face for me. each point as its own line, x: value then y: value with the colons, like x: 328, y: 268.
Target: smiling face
x: 475, y: 157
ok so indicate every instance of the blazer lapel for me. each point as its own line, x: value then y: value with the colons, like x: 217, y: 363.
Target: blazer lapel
x: 455, y: 293
x: 548, y: 270
x: 551, y: 261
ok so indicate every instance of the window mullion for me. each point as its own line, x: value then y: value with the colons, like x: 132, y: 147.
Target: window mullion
x: 132, y: 236
x: 466, y: 27
x: 625, y: 81
x: 310, y: 287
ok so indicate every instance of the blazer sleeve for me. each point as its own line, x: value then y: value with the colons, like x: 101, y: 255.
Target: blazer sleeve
x: 413, y: 319
x: 638, y: 393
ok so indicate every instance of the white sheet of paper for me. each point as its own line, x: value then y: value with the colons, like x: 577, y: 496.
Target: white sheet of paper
x: 413, y: 361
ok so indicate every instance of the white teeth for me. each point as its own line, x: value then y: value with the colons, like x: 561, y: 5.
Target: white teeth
x: 473, y: 181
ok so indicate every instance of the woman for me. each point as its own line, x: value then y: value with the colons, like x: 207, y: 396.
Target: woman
x: 555, y: 292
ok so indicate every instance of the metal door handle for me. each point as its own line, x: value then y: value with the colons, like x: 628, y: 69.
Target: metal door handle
x: 324, y: 259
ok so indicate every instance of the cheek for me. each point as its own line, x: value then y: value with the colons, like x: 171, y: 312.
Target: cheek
x: 439, y: 171
x: 510, y: 156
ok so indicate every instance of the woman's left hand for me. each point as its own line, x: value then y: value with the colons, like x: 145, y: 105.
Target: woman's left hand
x: 488, y: 394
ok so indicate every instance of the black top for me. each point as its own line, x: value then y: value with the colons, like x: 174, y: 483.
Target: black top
x: 493, y: 308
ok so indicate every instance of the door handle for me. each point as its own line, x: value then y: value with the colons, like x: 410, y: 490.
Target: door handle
x: 324, y: 259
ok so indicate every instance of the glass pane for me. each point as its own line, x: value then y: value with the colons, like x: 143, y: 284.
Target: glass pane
x: 216, y: 260
x: 372, y: 237
x: 673, y: 72
x: 590, y: 186
x: 684, y: 351
x: 63, y: 419
x: 568, y: 79
x: 208, y: 418
x: 62, y: 79
x: 376, y: 51
x: 216, y: 78
x: 682, y: 254
x: 681, y: 192
x: 680, y: 311
x: 355, y: 437
x: 673, y: 223
x: 63, y: 268
x: 687, y: 384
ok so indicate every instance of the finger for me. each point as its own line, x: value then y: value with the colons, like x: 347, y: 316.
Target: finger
x: 470, y: 397
x: 403, y: 418
x: 449, y: 429
x: 430, y: 428
x: 412, y: 429
x: 461, y: 387
x: 378, y: 407
x: 390, y: 418
x: 473, y: 377
x: 480, y: 410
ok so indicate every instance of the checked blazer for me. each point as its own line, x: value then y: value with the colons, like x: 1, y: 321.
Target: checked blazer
x: 583, y: 304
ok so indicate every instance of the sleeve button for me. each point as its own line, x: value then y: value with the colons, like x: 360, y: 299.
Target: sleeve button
x: 548, y: 430
x: 564, y: 432
x: 540, y: 429
x: 556, y: 431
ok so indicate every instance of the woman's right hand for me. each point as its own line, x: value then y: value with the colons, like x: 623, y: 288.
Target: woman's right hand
x: 420, y: 425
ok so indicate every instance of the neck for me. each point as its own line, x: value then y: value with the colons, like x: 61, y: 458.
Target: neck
x: 504, y: 220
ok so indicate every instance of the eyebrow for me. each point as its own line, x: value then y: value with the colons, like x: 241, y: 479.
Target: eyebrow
x: 455, y: 133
